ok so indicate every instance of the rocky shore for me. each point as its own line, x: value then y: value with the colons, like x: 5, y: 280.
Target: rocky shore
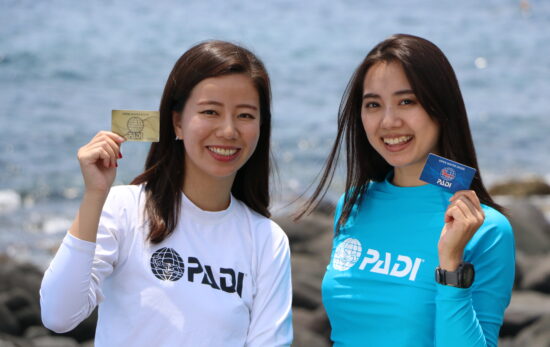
x: 526, y: 323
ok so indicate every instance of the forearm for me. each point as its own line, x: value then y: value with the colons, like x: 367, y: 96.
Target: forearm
x: 85, y: 224
x: 66, y: 297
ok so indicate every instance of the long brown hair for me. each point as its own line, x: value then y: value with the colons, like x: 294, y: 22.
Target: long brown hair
x: 434, y: 83
x: 164, y: 167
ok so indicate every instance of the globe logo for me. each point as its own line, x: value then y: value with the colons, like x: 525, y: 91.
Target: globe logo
x: 448, y: 174
x: 135, y: 124
x: 167, y: 265
x: 347, y: 254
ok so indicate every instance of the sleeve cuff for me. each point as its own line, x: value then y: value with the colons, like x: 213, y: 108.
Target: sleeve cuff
x: 76, y: 244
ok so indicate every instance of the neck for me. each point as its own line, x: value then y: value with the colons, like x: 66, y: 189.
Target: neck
x: 209, y: 196
x: 408, y: 176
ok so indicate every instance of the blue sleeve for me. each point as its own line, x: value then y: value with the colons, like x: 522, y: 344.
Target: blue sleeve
x: 473, y: 316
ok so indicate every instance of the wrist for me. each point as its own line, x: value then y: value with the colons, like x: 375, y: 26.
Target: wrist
x: 99, y: 195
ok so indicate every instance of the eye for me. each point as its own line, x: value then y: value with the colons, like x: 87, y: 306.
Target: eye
x: 247, y: 116
x: 406, y: 102
x: 372, y: 104
x: 209, y: 112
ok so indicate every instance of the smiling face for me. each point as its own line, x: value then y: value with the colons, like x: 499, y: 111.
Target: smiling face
x: 396, y: 124
x: 220, y: 128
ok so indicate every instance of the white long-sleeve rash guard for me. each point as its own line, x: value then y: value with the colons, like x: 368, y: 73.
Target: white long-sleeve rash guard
x: 221, y: 279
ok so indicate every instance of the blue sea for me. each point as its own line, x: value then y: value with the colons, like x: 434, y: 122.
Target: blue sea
x: 64, y: 65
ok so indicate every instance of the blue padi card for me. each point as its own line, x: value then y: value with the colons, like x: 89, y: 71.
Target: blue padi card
x: 447, y: 174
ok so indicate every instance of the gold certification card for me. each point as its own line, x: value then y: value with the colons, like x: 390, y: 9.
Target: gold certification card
x: 136, y: 125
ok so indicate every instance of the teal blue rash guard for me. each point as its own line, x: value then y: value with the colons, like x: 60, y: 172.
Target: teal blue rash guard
x: 379, y: 288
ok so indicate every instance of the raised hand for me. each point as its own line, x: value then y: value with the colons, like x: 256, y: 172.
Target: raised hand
x: 463, y: 218
x: 98, y: 161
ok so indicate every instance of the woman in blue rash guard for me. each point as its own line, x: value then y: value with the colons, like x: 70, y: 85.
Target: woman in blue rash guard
x: 412, y: 264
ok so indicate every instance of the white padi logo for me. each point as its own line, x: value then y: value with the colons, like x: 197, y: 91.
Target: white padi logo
x: 349, y: 252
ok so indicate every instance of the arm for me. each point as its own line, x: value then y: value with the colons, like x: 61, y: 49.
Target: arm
x: 66, y: 297
x: 270, y: 317
x: 473, y: 316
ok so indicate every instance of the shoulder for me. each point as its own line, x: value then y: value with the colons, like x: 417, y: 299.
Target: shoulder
x: 496, y: 221
x: 264, y: 229
x: 125, y: 194
x: 495, y: 230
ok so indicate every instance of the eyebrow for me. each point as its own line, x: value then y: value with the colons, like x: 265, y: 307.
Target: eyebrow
x: 217, y: 103
x: 399, y: 92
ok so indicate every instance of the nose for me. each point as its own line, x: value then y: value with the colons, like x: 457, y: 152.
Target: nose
x: 228, y: 129
x: 391, y: 118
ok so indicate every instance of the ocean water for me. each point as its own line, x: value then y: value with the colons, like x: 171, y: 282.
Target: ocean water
x: 65, y: 65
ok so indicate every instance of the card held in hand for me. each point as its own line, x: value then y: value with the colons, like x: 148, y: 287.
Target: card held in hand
x: 136, y: 125
x: 447, y: 174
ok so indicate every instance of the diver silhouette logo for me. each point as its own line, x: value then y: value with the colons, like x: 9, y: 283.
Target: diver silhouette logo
x: 167, y: 265
x: 347, y: 254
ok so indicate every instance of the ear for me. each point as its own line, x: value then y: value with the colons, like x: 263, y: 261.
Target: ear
x: 176, y: 123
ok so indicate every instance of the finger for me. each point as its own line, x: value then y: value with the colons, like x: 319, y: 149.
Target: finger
x: 470, y: 210
x: 471, y: 196
x: 115, y: 137
x: 105, y: 152
x: 110, y: 144
x: 454, y: 213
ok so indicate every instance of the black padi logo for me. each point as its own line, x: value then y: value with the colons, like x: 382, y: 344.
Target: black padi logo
x: 167, y: 265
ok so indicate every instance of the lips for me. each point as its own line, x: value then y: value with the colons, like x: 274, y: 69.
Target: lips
x: 223, y: 153
x: 396, y: 143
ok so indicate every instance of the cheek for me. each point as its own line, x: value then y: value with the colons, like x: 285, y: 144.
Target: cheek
x: 369, y: 127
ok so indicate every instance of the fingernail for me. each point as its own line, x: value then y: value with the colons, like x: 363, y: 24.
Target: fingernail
x: 119, y: 155
x: 116, y: 164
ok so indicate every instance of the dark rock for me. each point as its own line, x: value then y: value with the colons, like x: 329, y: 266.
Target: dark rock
x: 507, y: 342
x: 17, y: 298
x: 536, y: 335
x: 525, y: 308
x: 14, y: 275
x: 306, y: 229
x: 537, y: 277
x: 531, y: 229
x: 8, y: 323
x: 304, y: 336
x: 36, y: 331
x: 307, y: 275
x: 27, y: 317
x: 54, y: 341
x: 319, y: 322
x: 85, y: 330
x: 12, y: 341
x: 521, y: 188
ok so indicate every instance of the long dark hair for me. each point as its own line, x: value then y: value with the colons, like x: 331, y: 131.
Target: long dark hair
x: 164, y: 167
x: 435, y: 85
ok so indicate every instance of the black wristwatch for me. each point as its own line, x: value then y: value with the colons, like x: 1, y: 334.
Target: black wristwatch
x: 463, y: 277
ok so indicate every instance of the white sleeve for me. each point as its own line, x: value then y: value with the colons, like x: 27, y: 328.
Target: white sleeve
x: 71, y: 287
x: 271, y: 315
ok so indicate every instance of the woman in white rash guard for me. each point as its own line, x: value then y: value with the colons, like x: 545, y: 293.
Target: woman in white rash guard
x: 186, y: 255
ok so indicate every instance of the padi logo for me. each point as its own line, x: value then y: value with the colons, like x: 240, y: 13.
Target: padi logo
x: 447, y: 174
x: 167, y: 265
x: 347, y: 254
x: 349, y: 251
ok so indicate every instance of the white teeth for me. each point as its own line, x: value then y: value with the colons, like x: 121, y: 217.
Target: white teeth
x: 396, y: 140
x: 223, y: 151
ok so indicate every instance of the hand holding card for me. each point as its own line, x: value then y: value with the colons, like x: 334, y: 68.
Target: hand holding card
x: 447, y: 174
